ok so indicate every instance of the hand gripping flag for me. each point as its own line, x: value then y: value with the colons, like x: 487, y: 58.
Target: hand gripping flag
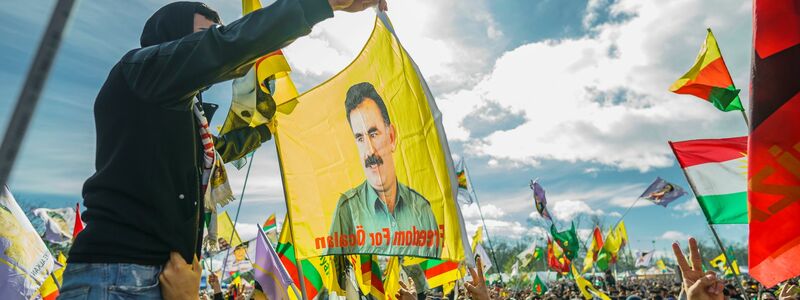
x: 774, y: 145
x: 662, y: 192
x: 540, y: 200
x: 253, y: 106
x: 709, y: 78
x: 270, y: 273
x: 717, y: 169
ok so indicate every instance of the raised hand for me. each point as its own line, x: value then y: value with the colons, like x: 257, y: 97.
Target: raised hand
x: 697, y: 284
x: 357, y: 5
x: 407, y: 291
x: 477, y: 288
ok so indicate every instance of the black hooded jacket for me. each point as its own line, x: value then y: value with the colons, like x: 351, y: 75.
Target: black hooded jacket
x: 144, y: 199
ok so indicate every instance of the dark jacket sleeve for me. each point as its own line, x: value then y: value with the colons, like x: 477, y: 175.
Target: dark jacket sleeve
x: 237, y: 143
x: 170, y: 73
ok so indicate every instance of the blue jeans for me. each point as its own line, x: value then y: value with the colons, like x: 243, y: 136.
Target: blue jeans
x: 110, y: 281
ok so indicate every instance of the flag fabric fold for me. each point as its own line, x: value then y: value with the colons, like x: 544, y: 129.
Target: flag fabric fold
x: 540, y: 200
x: 465, y: 192
x: 567, y: 240
x: 774, y: 145
x: 587, y: 289
x: 709, y: 78
x: 270, y: 273
x: 662, y: 192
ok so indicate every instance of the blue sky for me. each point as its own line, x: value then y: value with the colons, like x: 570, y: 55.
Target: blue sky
x: 571, y: 92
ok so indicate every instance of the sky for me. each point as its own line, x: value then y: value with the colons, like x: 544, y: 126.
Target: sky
x: 573, y: 93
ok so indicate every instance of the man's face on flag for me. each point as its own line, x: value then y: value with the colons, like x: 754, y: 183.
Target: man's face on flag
x: 376, y: 143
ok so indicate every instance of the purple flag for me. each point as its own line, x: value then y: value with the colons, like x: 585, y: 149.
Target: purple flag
x: 540, y: 200
x: 270, y: 272
x: 662, y: 192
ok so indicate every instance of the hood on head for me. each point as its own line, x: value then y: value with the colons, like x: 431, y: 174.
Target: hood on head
x: 172, y: 22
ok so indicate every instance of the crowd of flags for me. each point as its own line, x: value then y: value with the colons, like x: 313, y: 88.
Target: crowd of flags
x: 718, y: 171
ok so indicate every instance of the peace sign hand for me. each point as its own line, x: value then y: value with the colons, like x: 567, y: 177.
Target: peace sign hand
x: 696, y: 283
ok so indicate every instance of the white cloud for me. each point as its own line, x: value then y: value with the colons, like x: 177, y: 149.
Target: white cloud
x: 603, y: 98
x: 567, y: 210
x: 673, y: 235
x: 247, y: 231
x: 688, y: 207
x: 490, y: 211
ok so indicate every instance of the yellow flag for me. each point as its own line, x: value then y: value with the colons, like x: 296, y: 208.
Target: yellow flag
x: 622, y: 232
x: 477, y: 238
x: 587, y: 289
x: 253, y: 107
x: 721, y: 263
x: 379, y: 101
x: 391, y: 281
x: 661, y: 266
x: 49, y: 289
x: 225, y: 231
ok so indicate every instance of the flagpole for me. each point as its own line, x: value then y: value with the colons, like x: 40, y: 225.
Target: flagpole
x: 746, y: 120
x: 727, y: 259
x: 236, y: 218
x: 714, y: 231
x: 297, y: 261
x: 33, y: 86
x: 625, y: 213
x: 480, y: 212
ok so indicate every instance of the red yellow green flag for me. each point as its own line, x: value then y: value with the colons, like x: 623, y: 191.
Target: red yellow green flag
x: 49, y: 288
x: 270, y: 224
x: 441, y: 272
x: 709, y: 78
x: 318, y: 272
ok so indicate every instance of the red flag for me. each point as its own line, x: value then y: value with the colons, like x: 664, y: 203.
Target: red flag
x: 598, y: 240
x: 78, y: 222
x: 558, y: 263
x: 774, y: 148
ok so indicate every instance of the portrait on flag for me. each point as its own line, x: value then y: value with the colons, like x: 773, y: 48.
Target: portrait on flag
x: 365, y: 161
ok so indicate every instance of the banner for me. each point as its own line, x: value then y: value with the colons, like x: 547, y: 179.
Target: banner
x: 25, y: 261
x: 366, y: 164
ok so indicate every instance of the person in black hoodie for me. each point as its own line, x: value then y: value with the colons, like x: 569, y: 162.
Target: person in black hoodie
x: 145, y: 199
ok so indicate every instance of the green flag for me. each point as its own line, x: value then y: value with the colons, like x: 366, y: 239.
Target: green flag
x: 538, y: 286
x: 568, y: 240
x: 538, y: 253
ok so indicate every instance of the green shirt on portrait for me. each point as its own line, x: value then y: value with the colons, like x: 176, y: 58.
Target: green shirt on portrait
x: 362, y: 206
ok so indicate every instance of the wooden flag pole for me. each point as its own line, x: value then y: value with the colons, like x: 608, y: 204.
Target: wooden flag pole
x: 33, y: 86
x: 297, y: 261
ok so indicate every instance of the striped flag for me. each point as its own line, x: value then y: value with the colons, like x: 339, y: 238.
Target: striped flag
x: 717, y: 168
x: 50, y: 287
x: 441, y: 272
x: 270, y: 224
x: 709, y: 78
x: 392, y: 277
x: 318, y: 272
